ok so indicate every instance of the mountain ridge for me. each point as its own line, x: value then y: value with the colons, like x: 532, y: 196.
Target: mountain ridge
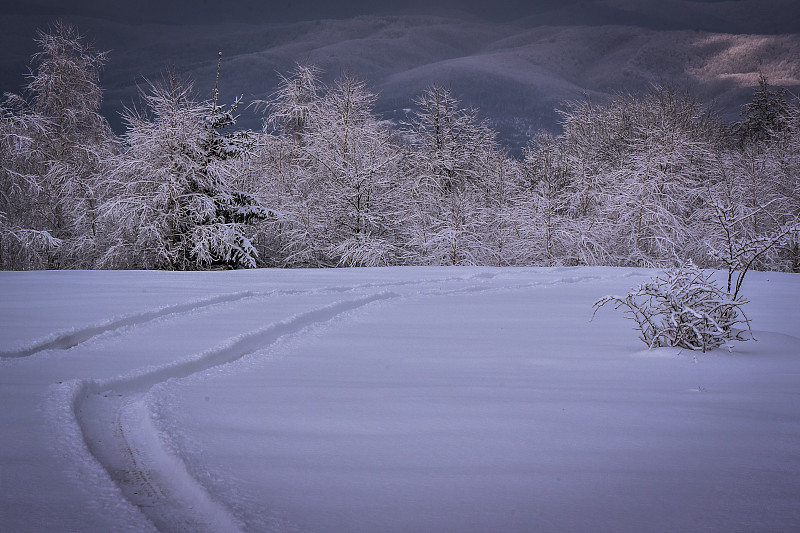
x: 517, y: 73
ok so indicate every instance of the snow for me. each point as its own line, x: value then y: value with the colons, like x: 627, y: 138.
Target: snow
x: 393, y: 399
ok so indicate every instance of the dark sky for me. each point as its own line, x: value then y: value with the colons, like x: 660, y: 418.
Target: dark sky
x: 19, y: 20
x: 781, y: 16
x: 183, y: 11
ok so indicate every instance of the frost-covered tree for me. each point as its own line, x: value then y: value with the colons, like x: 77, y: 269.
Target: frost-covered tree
x: 734, y: 243
x: 753, y: 202
x: 767, y: 113
x: 25, y: 241
x: 446, y: 230
x: 592, y: 144
x: 450, y: 149
x: 293, y: 107
x: 276, y: 175
x: 784, y: 175
x: 762, y: 176
x: 352, y: 157
x: 269, y: 174
x: 64, y: 87
x: 450, y: 140
x: 174, y: 206
x: 297, y: 236
x: 331, y: 165
x: 503, y: 228
x: 651, y: 201
x: 67, y: 142
x: 544, y: 201
x: 640, y: 184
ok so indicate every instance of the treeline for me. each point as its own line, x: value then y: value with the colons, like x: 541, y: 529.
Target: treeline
x: 649, y: 180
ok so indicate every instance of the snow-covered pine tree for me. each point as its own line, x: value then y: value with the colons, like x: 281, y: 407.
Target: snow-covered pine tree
x: 767, y: 113
x: 174, y: 207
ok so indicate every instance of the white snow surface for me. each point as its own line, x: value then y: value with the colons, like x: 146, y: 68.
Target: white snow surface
x: 386, y: 400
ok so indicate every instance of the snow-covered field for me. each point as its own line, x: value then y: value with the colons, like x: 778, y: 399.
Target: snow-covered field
x: 386, y: 400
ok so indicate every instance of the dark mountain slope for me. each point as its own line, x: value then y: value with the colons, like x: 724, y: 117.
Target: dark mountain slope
x: 516, y: 72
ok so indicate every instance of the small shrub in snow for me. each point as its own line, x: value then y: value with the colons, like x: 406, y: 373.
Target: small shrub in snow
x: 684, y: 308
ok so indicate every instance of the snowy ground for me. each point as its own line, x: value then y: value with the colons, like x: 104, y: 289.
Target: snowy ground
x: 398, y: 399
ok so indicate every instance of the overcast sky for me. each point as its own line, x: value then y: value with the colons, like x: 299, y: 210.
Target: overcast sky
x: 176, y: 11
x: 21, y: 18
x: 260, y: 11
x: 782, y: 15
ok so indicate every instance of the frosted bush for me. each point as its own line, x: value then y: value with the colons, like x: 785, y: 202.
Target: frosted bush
x: 684, y: 308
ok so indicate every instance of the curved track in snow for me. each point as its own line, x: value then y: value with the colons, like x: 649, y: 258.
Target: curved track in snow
x: 118, y: 428
x: 120, y: 433
x: 69, y: 339
x: 357, y: 400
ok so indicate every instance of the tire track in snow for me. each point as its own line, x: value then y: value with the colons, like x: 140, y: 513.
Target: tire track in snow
x: 64, y: 340
x: 69, y: 339
x: 117, y: 428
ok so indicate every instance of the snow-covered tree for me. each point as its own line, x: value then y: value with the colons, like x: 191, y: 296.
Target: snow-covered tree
x: 450, y: 140
x: 593, y: 142
x: 503, y: 227
x: 736, y: 246
x: 293, y: 108
x: 636, y: 180
x: 174, y: 207
x: 784, y: 175
x: 450, y: 150
x: 67, y: 141
x: 640, y: 184
x: 353, y: 160
x: 25, y: 241
x: 754, y: 199
x: 767, y: 113
x: 544, y: 201
x: 330, y: 164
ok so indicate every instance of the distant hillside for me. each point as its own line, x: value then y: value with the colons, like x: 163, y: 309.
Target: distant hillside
x: 517, y: 72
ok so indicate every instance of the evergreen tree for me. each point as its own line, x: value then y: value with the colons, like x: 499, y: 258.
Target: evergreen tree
x: 175, y: 208
x: 767, y: 112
